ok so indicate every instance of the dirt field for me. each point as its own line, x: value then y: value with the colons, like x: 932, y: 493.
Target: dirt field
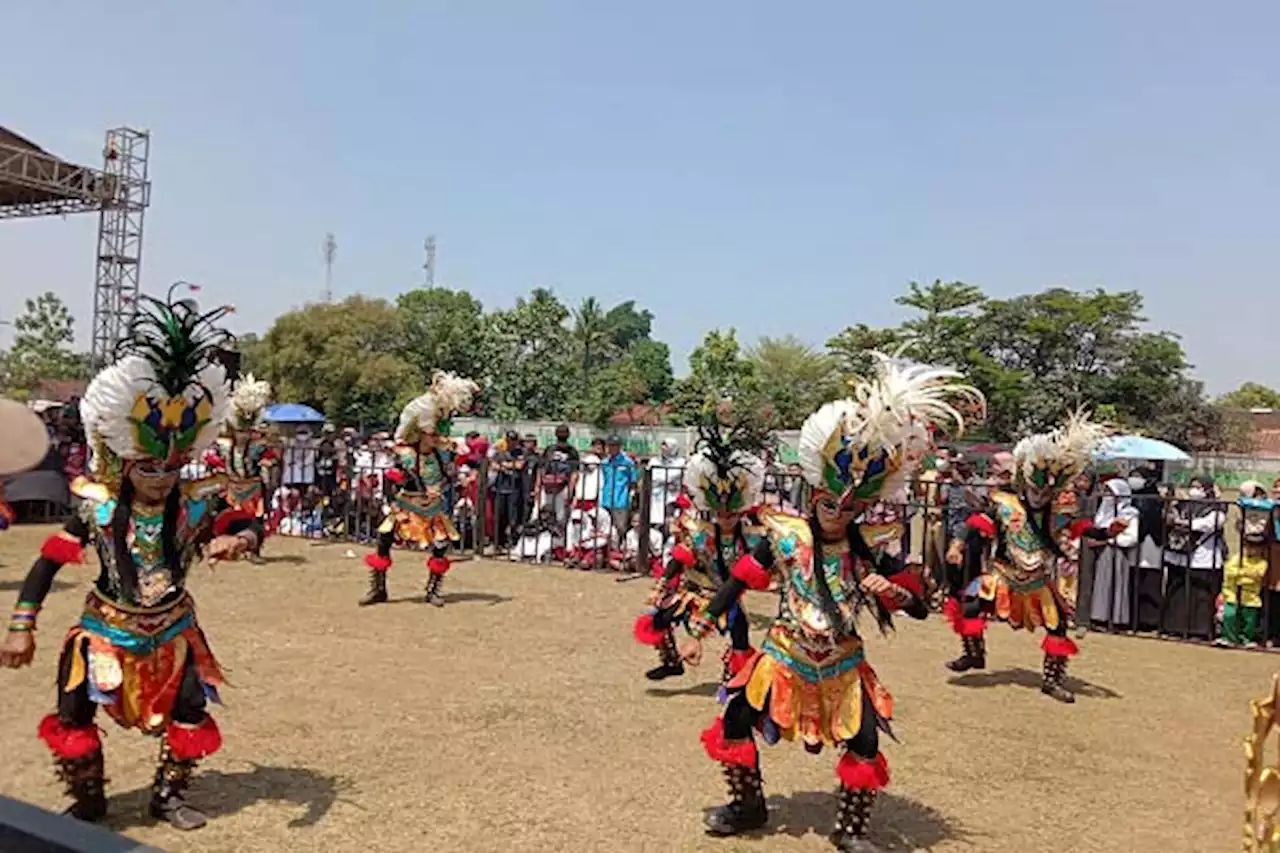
x: 515, y: 719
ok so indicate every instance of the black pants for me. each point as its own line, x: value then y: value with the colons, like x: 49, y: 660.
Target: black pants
x: 386, y: 540
x: 740, y: 720
x: 506, y: 518
x: 77, y: 710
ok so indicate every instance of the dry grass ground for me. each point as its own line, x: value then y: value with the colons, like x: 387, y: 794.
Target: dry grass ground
x: 515, y: 719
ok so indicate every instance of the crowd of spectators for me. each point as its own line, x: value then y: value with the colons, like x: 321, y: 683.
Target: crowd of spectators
x: 1184, y: 562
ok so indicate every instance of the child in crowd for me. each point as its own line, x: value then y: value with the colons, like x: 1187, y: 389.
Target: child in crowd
x: 589, y: 538
x: 1244, y: 573
x: 538, y: 538
x: 629, y: 558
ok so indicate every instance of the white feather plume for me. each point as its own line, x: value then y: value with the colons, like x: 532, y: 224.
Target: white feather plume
x: 897, y: 408
x: 748, y: 473
x: 1064, y: 451
x: 248, y: 400
x: 816, y: 432
x: 448, y: 395
x: 110, y: 397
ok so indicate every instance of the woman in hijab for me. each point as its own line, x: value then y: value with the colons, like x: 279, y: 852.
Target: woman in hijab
x: 1116, y: 556
x: 1151, y: 539
x: 1194, y: 556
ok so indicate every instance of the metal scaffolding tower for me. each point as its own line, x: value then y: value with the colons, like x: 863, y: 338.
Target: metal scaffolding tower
x: 117, y: 281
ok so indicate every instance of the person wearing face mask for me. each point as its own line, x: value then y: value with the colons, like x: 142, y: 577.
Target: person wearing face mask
x: 1018, y: 584
x: 810, y: 680
x: 137, y: 651
x: 1115, y: 556
x: 1194, y: 556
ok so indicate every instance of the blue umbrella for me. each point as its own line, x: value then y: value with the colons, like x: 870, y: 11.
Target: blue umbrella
x: 292, y: 413
x: 1139, y: 447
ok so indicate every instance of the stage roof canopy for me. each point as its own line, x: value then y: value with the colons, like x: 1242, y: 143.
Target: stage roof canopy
x: 34, y: 182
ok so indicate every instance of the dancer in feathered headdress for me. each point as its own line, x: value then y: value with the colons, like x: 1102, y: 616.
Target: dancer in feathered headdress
x: 811, y: 680
x: 243, y: 453
x: 1017, y: 585
x: 137, y: 651
x: 416, y: 512
x: 723, y: 484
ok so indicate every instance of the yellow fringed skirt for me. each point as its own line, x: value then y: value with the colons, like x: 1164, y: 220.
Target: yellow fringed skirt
x: 134, y: 658
x: 815, y: 695
x: 1029, y: 604
x: 419, y: 519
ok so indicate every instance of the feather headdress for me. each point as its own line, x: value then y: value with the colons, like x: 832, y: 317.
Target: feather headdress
x: 430, y: 414
x: 1053, y: 458
x: 166, y: 397
x: 862, y: 446
x: 725, y: 474
x: 249, y: 397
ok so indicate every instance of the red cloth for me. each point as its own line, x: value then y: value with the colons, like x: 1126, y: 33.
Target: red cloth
x: 61, y: 550
x: 1062, y: 647
x: 859, y: 775
x: 190, y: 743
x: 750, y: 572
x: 741, y: 752
x: 67, y: 742
x: 983, y: 524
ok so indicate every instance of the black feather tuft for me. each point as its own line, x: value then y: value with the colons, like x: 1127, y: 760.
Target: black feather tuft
x: 176, y: 338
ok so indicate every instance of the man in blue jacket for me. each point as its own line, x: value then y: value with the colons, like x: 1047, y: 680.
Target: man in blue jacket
x: 618, y: 475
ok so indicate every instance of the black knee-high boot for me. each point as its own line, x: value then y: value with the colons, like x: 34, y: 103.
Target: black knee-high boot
x: 433, y: 590
x: 377, y: 593
x: 746, y: 809
x: 973, y: 655
x: 669, y: 663
x: 853, y: 818
x: 1055, y: 673
x: 86, y: 785
x: 168, y: 792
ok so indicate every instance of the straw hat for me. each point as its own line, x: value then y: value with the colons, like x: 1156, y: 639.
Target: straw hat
x: 25, y: 440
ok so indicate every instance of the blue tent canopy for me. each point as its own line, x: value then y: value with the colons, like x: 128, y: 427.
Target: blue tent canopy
x: 1139, y: 447
x: 292, y: 413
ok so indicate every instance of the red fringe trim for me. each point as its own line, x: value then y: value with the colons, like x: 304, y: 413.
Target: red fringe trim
x: 859, y: 774
x: 1062, y: 647
x: 396, y: 476
x: 66, y: 742
x: 378, y: 564
x: 683, y: 555
x: 438, y: 565
x: 749, y: 571
x: 682, y: 501
x: 951, y: 612
x: 983, y: 524
x: 1078, y: 527
x: 910, y: 581
x: 972, y: 627
x: 226, y: 518
x: 740, y: 752
x: 192, y: 742
x: 645, y: 633
x: 738, y: 659
x: 61, y: 550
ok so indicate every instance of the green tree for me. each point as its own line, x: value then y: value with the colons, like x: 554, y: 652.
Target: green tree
x: 532, y: 366
x: 42, y: 345
x: 652, y: 359
x: 852, y: 347
x: 795, y: 378
x: 628, y: 326
x: 343, y: 358
x: 719, y: 372
x: 252, y: 351
x: 943, y: 332
x: 444, y: 330
x: 1251, y: 395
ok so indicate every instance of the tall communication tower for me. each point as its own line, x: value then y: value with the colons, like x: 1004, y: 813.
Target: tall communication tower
x: 119, y: 266
x: 430, y: 265
x: 330, y: 250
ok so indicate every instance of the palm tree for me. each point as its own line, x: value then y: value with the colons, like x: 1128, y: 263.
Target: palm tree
x: 591, y: 333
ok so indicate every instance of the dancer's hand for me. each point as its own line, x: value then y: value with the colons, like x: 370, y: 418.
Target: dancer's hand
x: 225, y: 548
x: 18, y: 649
x: 955, y: 552
x: 877, y: 585
x: 691, y: 651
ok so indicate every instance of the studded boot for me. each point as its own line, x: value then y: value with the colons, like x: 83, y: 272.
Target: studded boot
x: 973, y: 656
x: 853, y: 818
x: 669, y: 663
x: 377, y: 593
x: 433, y: 590
x: 168, y: 792
x: 746, y: 809
x: 85, y: 781
x: 1055, y: 672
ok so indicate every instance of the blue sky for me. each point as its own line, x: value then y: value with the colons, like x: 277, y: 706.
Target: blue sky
x: 774, y: 167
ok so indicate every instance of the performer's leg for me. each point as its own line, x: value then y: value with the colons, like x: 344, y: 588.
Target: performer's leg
x: 379, y: 562
x: 191, y: 735
x: 739, y: 651
x: 966, y: 618
x: 862, y: 771
x: 669, y: 662
x: 73, y: 738
x: 1058, y: 649
x: 437, y: 568
x: 729, y: 741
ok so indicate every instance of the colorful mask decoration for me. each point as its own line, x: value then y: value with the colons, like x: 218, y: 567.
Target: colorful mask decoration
x: 166, y: 397
x: 248, y: 400
x: 725, y: 474
x: 1053, y: 459
x: 861, y: 448
x: 432, y: 413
